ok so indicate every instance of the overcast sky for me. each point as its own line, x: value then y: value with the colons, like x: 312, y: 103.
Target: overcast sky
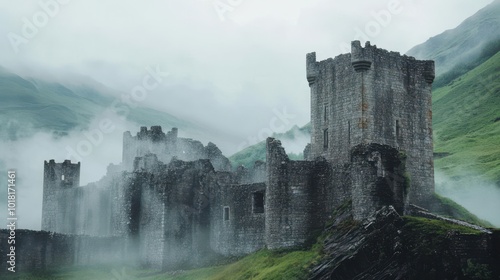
x: 235, y: 65
x: 232, y: 63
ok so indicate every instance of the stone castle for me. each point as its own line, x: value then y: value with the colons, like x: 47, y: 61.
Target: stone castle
x: 174, y: 202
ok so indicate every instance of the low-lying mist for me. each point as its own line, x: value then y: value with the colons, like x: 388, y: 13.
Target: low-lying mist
x: 480, y: 197
x: 296, y: 143
x: 27, y: 156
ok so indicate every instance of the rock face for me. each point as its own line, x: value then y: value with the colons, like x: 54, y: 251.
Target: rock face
x: 388, y: 246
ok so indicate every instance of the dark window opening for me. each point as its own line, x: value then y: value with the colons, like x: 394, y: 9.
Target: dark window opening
x: 226, y: 213
x: 325, y: 138
x: 398, y: 130
x: 258, y: 202
x: 349, y: 132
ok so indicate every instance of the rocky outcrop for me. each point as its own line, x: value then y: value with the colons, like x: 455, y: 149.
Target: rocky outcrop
x: 388, y: 246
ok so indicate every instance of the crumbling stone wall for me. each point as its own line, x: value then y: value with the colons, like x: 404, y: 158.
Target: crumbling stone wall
x: 237, y: 219
x: 295, y: 204
x: 56, y: 178
x: 378, y: 179
x: 98, y: 209
x: 167, y: 146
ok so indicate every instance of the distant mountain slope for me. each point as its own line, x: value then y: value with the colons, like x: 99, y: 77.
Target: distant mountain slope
x: 467, y: 123
x: 29, y: 105
x: 463, y: 43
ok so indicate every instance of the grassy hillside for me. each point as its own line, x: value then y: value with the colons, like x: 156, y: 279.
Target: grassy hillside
x: 464, y: 43
x: 264, y: 264
x: 29, y: 105
x: 467, y: 123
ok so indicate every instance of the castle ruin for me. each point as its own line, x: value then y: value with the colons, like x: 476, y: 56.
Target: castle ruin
x: 175, y: 203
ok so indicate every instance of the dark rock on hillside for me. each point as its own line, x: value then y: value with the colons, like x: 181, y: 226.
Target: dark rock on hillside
x: 388, y: 246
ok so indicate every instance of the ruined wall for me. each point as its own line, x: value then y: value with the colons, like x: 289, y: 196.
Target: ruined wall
x: 57, y: 177
x: 37, y: 250
x: 175, y: 213
x: 374, y: 96
x: 378, y: 179
x: 97, y: 209
x: 167, y: 146
x: 339, y: 187
x: 295, y: 198
x: 237, y: 219
x: 149, y: 216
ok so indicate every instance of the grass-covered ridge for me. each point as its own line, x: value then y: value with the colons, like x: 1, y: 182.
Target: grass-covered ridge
x: 31, y: 105
x: 264, y: 264
x: 467, y: 123
x: 424, y: 226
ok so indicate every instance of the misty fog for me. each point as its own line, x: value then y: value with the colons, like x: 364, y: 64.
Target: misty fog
x: 476, y: 195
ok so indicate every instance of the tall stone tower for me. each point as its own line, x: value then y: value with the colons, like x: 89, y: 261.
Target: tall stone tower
x: 58, y: 177
x: 374, y: 96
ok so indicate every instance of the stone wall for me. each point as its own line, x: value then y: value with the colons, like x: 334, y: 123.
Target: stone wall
x: 237, y: 219
x: 378, y: 179
x: 57, y: 177
x: 97, y: 209
x: 295, y: 198
x: 167, y: 146
x: 42, y: 250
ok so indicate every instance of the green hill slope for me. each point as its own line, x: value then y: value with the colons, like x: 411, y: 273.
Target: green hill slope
x: 467, y: 123
x: 30, y: 105
x: 464, y: 43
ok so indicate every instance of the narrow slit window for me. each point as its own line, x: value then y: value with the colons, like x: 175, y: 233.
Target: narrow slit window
x: 325, y: 138
x: 226, y: 213
x: 62, y: 177
x: 349, y: 132
x: 398, y: 130
x: 258, y: 202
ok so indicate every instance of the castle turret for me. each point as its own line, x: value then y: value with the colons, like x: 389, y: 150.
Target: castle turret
x: 374, y: 96
x: 57, y: 178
